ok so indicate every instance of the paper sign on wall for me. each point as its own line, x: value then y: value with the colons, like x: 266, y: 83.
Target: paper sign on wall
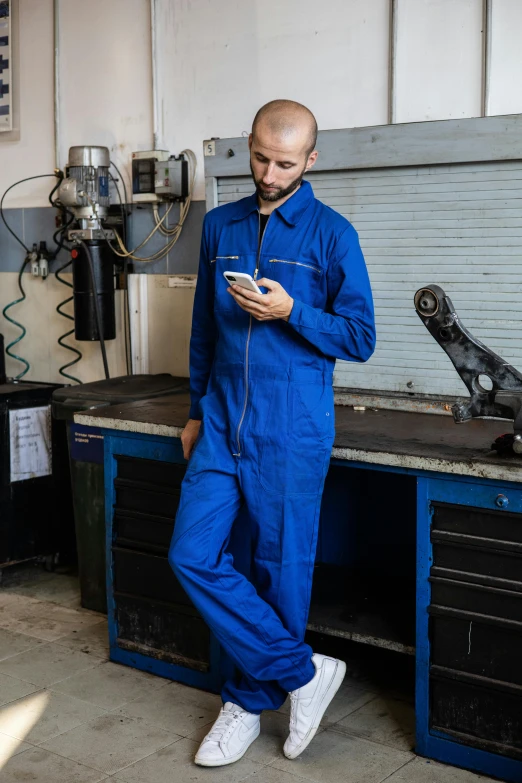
x: 30, y: 439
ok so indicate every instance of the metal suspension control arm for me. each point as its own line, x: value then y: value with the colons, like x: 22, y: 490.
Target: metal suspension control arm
x: 472, y: 359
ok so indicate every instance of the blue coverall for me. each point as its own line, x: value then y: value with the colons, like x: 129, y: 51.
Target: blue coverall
x: 263, y: 391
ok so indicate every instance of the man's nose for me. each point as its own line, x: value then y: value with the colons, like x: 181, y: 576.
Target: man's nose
x: 269, y: 174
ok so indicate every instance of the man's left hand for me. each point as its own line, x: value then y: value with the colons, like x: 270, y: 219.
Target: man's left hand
x: 276, y: 304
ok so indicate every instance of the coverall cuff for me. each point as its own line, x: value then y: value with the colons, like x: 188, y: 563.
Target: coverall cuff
x: 296, y: 315
x: 194, y: 412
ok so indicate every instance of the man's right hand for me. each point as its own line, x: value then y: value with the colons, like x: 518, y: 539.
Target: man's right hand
x: 189, y: 435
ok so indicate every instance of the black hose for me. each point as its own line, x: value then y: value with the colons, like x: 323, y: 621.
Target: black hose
x: 96, y: 309
x: 37, y: 176
x: 67, y: 334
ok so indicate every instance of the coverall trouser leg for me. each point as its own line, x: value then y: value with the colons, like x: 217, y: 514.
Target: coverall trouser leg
x: 260, y: 623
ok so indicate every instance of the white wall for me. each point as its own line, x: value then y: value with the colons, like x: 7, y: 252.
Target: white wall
x: 506, y: 57
x: 106, y: 88
x: 218, y: 62
x: 438, y: 60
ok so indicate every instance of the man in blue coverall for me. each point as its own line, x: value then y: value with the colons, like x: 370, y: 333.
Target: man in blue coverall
x: 261, y: 427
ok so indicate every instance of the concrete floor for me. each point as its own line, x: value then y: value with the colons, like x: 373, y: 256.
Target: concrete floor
x: 67, y: 714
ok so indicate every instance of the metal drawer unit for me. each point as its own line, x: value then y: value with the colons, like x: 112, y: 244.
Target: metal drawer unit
x: 153, y: 625
x: 469, y: 625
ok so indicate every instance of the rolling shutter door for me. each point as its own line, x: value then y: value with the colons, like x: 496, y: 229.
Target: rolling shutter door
x: 459, y: 226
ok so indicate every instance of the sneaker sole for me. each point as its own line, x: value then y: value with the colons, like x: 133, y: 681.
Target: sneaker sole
x: 224, y: 762
x: 327, y: 698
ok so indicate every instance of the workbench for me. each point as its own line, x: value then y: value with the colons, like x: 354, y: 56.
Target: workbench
x: 420, y: 552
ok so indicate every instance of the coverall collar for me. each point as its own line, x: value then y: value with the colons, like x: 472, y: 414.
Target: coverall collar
x: 291, y: 211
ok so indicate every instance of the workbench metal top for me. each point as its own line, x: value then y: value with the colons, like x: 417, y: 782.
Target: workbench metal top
x: 418, y: 441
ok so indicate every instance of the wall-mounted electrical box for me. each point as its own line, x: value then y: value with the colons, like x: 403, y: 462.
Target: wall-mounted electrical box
x: 159, y: 176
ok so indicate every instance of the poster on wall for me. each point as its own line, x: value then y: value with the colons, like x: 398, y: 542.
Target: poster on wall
x: 30, y: 443
x: 6, y: 122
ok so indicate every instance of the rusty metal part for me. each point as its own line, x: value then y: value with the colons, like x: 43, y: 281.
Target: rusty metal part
x: 495, y: 386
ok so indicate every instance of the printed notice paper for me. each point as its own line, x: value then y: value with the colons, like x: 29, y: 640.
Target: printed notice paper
x: 30, y: 439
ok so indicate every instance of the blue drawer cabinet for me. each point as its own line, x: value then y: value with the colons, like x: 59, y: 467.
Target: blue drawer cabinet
x: 469, y: 625
x: 153, y: 625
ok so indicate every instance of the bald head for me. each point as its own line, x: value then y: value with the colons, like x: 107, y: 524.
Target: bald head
x: 289, y: 120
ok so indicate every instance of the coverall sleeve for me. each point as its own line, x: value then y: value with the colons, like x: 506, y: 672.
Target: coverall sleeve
x: 203, y: 335
x: 347, y: 329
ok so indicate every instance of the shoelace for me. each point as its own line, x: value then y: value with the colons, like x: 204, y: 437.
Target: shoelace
x: 225, y: 721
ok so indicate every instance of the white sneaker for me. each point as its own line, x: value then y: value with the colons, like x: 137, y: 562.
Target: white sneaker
x: 309, y: 703
x: 229, y: 738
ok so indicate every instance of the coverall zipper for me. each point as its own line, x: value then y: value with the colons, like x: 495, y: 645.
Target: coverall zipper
x: 259, y: 246
x: 296, y: 263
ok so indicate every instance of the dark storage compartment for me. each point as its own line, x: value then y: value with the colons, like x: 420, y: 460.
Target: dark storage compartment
x: 86, y: 468
x: 147, y: 576
x: 485, y: 716
x: 476, y: 627
x: 35, y: 505
x: 163, y: 632
x: 477, y: 646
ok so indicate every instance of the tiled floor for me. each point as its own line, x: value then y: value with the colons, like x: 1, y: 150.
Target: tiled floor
x: 68, y: 714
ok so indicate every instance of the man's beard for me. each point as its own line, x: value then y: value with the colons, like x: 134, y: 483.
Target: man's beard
x: 276, y: 195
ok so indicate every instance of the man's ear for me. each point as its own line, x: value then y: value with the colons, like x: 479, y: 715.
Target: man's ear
x: 311, y: 160
x: 250, y: 140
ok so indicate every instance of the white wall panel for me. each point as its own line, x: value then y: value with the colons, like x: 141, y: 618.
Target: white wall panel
x: 106, y: 77
x: 219, y: 62
x: 506, y: 57
x: 34, y: 152
x: 438, y: 59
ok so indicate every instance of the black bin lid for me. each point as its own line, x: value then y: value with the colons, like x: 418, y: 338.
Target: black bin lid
x: 125, y: 388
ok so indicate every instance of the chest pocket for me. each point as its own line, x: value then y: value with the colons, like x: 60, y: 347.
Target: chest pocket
x: 223, y: 302
x: 303, y: 280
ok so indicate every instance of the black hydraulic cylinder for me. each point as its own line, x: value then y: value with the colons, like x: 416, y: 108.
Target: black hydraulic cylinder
x: 85, y: 326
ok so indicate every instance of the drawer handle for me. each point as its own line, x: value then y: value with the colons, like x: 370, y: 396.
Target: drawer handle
x: 501, y: 501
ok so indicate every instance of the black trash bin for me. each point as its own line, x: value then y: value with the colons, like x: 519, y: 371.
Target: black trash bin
x: 36, y: 519
x: 86, y: 468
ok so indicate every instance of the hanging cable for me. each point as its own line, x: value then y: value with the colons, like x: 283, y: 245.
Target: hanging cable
x: 161, y: 225
x: 20, y: 181
x: 61, y: 339
x: 59, y: 240
x: 126, y: 302
x: 96, y: 308
x: 11, y: 345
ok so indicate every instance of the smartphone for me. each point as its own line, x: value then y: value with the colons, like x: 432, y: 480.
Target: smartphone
x: 241, y: 278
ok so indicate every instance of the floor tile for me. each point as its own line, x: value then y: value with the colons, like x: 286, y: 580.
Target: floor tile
x: 47, y: 664
x: 9, y: 747
x: 331, y: 756
x: 273, y: 775
x: 175, y: 708
x: 11, y: 688
x: 110, y: 685
x: 43, y: 715
x: 12, y: 643
x: 384, y: 720
x: 42, y: 619
x: 424, y: 771
x: 175, y: 764
x: 110, y: 742
x: 348, y: 698
x: 57, y: 588
x: 93, y: 640
x: 42, y: 767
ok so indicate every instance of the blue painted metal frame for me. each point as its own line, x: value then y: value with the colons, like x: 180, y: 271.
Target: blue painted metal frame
x: 164, y: 450
x: 435, y: 744
x: 463, y: 490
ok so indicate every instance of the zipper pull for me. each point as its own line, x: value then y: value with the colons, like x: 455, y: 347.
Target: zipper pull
x: 255, y: 273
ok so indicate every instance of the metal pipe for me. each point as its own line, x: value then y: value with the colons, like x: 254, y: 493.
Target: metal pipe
x: 392, y: 86
x: 57, y: 104
x: 487, y: 13
x: 155, y: 107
